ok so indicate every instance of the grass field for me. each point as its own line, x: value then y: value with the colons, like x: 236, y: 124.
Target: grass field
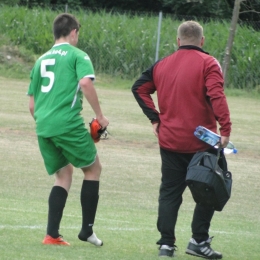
x: 127, y: 212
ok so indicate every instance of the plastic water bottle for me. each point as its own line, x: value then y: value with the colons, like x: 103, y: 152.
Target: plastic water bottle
x: 213, y: 139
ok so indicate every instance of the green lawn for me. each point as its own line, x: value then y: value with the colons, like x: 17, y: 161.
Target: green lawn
x: 127, y: 212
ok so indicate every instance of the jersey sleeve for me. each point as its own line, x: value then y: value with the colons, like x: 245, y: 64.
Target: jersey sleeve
x: 215, y: 91
x: 84, y: 66
x: 142, y: 90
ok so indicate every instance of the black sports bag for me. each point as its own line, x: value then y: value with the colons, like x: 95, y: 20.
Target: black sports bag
x: 209, y: 180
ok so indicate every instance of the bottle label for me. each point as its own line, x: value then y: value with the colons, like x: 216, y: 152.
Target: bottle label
x: 207, y: 136
x: 213, y: 139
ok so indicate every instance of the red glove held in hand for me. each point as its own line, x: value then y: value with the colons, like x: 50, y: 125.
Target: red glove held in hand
x: 96, y: 130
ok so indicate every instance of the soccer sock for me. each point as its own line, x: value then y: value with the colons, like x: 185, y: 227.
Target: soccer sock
x: 57, y: 201
x: 89, y: 201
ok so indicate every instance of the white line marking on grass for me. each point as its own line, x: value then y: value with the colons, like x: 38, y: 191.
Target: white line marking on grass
x: 128, y: 229
x: 14, y: 227
x: 20, y: 227
x: 32, y: 227
x: 65, y: 215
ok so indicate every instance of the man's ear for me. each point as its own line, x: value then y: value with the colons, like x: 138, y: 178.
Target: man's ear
x: 73, y: 37
x: 202, y: 41
x: 179, y: 42
x: 73, y: 32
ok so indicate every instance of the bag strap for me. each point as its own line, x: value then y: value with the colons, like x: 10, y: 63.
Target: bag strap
x: 219, y: 149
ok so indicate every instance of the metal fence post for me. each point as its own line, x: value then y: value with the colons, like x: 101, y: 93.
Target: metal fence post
x: 158, y: 36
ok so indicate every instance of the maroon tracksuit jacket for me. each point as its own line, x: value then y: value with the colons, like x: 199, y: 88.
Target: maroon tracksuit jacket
x: 189, y: 86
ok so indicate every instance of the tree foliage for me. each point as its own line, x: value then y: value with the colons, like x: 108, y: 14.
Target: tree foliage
x: 219, y: 9
x: 212, y: 9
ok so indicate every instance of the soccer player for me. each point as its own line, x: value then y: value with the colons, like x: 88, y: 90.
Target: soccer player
x: 189, y: 86
x: 59, y: 79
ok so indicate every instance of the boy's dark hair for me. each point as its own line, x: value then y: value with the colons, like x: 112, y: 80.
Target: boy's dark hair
x: 63, y: 24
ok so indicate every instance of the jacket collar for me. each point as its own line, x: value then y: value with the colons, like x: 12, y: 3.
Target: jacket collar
x: 191, y: 47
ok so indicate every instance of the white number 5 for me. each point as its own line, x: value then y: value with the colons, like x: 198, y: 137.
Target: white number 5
x: 47, y: 74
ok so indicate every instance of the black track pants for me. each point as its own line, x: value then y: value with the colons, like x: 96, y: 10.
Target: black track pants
x: 174, y: 169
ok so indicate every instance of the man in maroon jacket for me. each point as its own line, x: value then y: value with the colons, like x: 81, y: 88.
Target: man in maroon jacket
x: 189, y: 86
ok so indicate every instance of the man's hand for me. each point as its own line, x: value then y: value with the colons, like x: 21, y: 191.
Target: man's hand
x: 156, y: 129
x: 224, y: 141
x: 102, y: 120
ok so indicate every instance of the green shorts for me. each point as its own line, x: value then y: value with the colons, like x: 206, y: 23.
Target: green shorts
x: 75, y: 147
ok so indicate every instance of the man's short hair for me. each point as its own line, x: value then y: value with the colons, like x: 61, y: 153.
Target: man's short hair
x: 63, y: 24
x: 190, y: 31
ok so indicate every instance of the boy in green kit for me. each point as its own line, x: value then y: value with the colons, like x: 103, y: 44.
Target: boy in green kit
x: 59, y: 80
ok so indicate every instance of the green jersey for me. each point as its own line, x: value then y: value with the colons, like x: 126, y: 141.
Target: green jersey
x: 55, y: 87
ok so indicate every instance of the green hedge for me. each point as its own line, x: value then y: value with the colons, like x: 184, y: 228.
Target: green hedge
x: 125, y: 44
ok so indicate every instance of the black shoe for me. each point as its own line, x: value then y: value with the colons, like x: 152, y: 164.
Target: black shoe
x: 202, y: 249
x: 166, y: 251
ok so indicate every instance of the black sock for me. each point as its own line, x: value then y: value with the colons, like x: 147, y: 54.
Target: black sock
x: 89, y: 201
x: 57, y: 201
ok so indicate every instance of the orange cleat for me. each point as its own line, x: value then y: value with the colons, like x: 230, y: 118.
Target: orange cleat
x: 48, y: 240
